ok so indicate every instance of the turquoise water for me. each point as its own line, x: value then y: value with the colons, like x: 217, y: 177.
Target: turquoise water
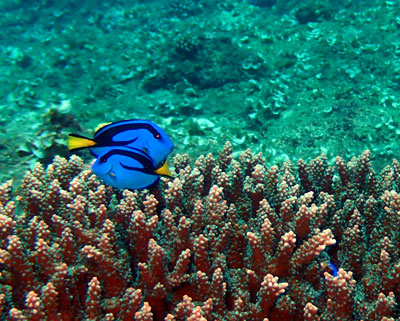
x: 292, y: 80
x: 288, y: 79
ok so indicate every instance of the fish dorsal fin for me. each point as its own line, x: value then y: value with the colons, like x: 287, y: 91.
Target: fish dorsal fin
x: 163, y: 170
x: 100, y: 126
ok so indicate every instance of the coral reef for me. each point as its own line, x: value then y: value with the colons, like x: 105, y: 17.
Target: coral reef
x: 227, y: 239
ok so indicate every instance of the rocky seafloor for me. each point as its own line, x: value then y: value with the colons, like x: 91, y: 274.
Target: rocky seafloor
x: 290, y: 79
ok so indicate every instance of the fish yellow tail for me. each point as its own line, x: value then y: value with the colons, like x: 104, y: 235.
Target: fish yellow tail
x: 78, y: 142
x: 163, y: 170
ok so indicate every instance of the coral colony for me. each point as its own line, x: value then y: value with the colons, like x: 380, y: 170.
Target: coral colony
x: 226, y: 239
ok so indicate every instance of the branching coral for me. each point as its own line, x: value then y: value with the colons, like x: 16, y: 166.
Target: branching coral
x: 227, y: 239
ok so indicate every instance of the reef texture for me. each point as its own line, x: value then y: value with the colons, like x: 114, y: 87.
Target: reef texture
x: 225, y: 240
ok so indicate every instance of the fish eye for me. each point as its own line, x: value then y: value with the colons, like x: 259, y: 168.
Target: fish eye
x: 158, y: 136
x: 103, y: 159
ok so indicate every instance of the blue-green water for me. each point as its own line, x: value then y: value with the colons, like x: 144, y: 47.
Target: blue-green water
x: 290, y: 79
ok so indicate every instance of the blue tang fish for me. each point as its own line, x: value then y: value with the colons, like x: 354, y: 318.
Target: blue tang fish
x: 129, y: 154
x: 134, y: 133
x: 125, y: 167
x: 334, y: 269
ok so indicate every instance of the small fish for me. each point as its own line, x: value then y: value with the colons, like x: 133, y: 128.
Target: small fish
x: 129, y: 154
x: 334, y: 269
x: 144, y: 135
x: 126, y: 167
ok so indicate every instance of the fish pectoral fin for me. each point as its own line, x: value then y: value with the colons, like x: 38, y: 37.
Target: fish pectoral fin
x: 77, y: 142
x: 112, y: 175
x: 163, y: 170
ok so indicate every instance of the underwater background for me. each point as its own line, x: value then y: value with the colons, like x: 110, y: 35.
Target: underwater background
x: 285, y: 197
x: 290, y: 79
